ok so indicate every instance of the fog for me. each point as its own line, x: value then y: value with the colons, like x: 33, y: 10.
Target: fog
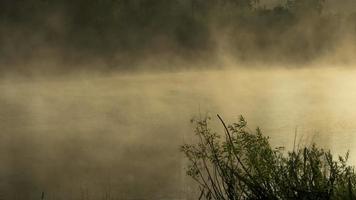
x: 118, y: 135
x: 62, y: 37
x: 97, y: 96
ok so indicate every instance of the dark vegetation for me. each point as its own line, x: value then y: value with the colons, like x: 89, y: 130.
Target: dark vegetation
x: 243, y: 165
x: 125, y: 32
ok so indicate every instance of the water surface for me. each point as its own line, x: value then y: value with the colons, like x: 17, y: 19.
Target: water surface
x: 96, y: 136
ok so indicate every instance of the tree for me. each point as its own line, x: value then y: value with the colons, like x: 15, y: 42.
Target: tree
x: 306, y: 7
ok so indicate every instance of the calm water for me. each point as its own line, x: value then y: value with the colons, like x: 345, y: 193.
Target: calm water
x: 103, y: 136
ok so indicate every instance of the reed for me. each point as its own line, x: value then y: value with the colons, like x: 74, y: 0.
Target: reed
x: 241, y: 164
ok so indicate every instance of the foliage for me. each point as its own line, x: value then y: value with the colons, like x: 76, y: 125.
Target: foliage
x: 126, y: 32
x: 243, y: 165
x: 306, y: 7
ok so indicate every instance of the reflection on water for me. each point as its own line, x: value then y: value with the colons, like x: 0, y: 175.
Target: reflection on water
x: 118, y: 135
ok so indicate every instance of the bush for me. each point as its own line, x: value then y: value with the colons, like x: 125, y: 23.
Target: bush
x: 243, y: 165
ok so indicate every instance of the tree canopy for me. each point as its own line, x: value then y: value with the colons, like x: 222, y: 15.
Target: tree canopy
x: 122, y: 32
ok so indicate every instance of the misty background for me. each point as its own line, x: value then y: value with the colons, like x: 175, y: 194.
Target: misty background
x: 97, y: 95
x: 41, y: 36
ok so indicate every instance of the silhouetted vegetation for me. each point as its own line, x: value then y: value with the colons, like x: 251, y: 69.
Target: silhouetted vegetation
x: 126, y: 31
x: 243, y: 165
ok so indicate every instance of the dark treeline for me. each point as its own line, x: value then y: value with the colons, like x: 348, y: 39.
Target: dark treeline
x: 126, y: 32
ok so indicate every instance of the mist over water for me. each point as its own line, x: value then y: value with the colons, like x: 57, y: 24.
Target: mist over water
x: 119, y: 135
x: 97, y: 96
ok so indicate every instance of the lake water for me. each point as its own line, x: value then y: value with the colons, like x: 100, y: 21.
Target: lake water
x: 103, y: 136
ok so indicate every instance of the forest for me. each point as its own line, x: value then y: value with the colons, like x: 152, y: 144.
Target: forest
x: 124, y: 34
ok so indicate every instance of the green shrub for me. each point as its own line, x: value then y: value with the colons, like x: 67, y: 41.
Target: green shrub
x: 243, y: 165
